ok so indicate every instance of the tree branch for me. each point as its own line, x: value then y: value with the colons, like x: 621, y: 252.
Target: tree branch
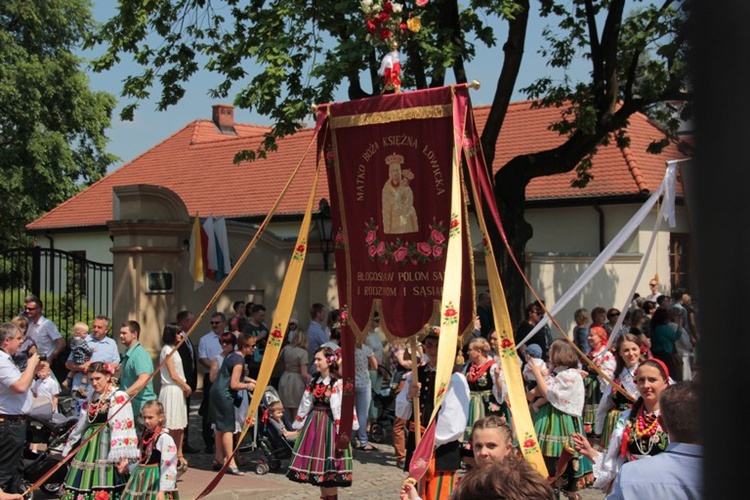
x: 513, y: 49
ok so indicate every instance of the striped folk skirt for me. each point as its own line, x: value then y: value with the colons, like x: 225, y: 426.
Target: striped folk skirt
x: 90, y: 472
x: 315, y: 458
x: 144, y: 484
x: 553, y: 428
x: 610, y: 421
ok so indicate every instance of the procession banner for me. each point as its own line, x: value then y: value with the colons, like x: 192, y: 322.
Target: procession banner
x: 388, y: 161
x: 389, y: 167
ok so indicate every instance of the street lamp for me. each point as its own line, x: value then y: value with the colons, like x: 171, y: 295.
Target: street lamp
x: 324, y: 225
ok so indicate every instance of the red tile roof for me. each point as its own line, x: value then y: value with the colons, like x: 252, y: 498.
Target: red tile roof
x: 197, y: 164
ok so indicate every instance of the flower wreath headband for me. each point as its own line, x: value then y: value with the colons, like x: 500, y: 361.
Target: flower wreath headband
x: 334, y: 358
x: 110, y: 367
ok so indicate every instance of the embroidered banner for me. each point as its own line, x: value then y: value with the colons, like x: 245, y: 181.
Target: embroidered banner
x: 388, y: 161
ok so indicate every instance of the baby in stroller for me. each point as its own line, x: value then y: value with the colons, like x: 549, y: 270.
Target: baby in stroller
x: 276, y: 436
x: 282, y: 427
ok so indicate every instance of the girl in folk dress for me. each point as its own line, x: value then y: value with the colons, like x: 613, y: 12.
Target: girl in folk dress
x: 629, y: 352
x: 316, y: 459
x: 93, y: 472
x: 593, y: 383
x: 557, y: 420
x: 486, y: 390
x: 155, y: 475
x: 637, y: 434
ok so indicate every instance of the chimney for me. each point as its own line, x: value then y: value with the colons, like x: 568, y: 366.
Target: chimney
x: 223, y: 117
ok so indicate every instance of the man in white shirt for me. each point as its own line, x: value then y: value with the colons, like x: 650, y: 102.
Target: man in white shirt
x: 451, y: 418
x: 15, y: 404
x: 653, y: 287
x: 208, y: 348
x: 43, y: 331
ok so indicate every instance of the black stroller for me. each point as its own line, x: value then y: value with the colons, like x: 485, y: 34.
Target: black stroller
x: 272, y: 444
x: 384, y: 401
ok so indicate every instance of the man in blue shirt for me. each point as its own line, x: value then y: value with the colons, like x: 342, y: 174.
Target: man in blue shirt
x: 103, y: 349
x: 677, y: 472
x: 316, y: 334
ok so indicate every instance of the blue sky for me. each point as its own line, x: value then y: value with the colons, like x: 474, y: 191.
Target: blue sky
x: 150, y: 127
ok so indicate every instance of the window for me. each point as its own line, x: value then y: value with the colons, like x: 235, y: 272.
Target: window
x: 679, y: 261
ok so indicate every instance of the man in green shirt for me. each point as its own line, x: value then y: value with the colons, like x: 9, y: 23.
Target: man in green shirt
x: 136, y: 368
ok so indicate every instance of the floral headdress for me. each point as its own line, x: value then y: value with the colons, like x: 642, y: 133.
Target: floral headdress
x: 388, y: 24
x: 335, y: 357
x: 110, y: 367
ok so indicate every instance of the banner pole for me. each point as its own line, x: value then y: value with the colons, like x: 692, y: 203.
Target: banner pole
x: 414, y: 383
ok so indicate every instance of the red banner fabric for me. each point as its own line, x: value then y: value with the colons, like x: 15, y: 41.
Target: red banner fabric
x: 388, y: 161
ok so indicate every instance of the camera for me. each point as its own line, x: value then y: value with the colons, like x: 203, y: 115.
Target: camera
x: 42, y: 357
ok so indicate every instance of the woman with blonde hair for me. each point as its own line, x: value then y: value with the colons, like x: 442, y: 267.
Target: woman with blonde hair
x: 486, y: 390
x: 293, y: 381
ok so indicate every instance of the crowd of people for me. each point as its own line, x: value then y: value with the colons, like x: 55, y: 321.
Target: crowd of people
x: 130, y: 440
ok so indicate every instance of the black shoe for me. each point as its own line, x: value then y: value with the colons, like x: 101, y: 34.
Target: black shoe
x: 190, y: 449
x: 210, y: 449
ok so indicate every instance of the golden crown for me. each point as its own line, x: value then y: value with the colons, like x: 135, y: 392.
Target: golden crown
x: 394, y: 158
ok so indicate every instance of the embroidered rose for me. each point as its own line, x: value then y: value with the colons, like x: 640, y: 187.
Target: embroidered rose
x: 370, y: 237
x: 424, y: 248
x: 120, y: 399
x: 381, y: 248
x: 400, y: 254
x: 437, y: 251
x: 450, y: 312
x: 505, y: 343
x: 277, y: 334
x: 437, y: 237
x: 529, y: 443
x: 101, y: 495
x: 300, y: 248
x: 371, y: 251
x: 454, y: 223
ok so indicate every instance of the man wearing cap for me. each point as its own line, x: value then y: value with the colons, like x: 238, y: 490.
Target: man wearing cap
x: 438, y: 481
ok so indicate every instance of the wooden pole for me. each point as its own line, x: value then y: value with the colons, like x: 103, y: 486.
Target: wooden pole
x: 414, y: 383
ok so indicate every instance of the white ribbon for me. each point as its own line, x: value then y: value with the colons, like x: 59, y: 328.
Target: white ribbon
x: 633, y: 224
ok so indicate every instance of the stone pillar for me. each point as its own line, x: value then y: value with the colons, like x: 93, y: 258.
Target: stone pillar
x: 149, y: 232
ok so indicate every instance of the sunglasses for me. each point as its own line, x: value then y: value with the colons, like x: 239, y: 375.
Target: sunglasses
x: 216, y: 322
x: 613, y: 315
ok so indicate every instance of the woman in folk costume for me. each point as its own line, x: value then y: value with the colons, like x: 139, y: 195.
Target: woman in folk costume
x: 629, y: 352
x: 486, y: 390
x: 316, y: 459
x: 439, y: 480
x: 93, y: 472
x: 594, y: 383
x: 638, y: 433
x: 155, y: 475
x: 560, y: 418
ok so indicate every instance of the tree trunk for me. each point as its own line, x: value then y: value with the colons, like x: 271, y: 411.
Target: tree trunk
x: 510, y: 196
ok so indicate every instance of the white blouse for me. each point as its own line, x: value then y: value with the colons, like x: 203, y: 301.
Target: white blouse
x: 565, y: 390
x: 453, y: 413
x: 335, y: 402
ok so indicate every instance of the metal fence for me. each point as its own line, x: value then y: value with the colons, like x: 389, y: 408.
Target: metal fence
x: 71, y: 288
